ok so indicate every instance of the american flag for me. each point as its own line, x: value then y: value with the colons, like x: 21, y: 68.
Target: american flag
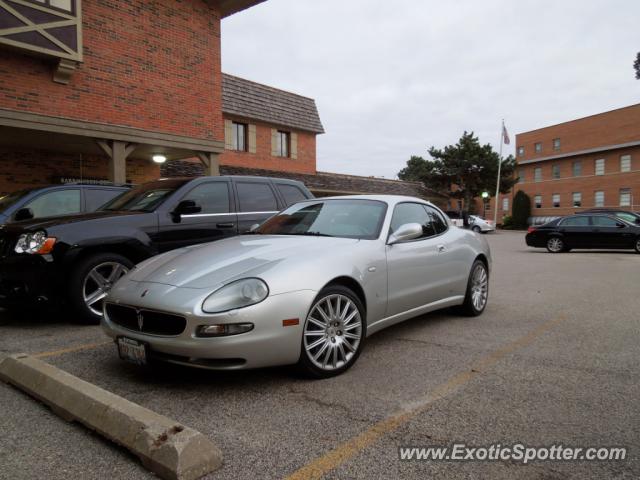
x: 505, y: 135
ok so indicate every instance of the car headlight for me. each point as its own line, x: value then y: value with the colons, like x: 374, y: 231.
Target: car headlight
x: 238, y: 294
x: 36, y: 242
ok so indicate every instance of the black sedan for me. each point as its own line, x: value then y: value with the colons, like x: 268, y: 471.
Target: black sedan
x: 585, y: 231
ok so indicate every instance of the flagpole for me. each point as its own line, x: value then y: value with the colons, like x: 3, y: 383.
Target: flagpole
x: 495, y: 215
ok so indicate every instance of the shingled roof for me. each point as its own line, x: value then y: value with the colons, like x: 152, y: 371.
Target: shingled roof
x: 321, y: 184
x: 255, y: 101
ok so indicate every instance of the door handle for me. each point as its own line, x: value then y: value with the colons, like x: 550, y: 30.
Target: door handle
x: 442, y: 248
x: 225, y: 225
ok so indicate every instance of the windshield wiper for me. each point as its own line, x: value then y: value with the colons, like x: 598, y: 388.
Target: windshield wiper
x: 312, y: 234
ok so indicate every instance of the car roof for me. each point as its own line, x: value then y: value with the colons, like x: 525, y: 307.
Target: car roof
x: 390, y: 199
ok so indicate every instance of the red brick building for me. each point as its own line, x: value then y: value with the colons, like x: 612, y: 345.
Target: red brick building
x: 94, y: 90
x: 580, y: 164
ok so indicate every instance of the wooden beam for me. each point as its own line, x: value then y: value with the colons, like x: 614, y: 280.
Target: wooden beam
x: 211, y: 163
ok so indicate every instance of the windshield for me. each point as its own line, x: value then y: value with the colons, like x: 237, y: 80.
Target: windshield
x: 361, y: 219
x: 144, y: 198
x: 8, y: 199
x: 629, y: 217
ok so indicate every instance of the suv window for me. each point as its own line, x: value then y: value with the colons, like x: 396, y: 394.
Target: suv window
x: 59, y: 202
x: 438, y: 222
x: 290, y: 193
x: 412, y: 213
x: 604, y: 221
x: 256, y: 197
x: 95, y: 197
x: 212, y: 197
x: 575, y: 222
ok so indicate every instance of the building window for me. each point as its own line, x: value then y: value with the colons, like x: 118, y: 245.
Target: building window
x: 625, y: 163
x: 537, y: 174
x: 555, y: 172
x: 521, y: 175
x: 65, y: 5
x: 283, y: 140
x: 239, y: 136
x: 598, y: 199
x: 521, y: 151
x: 625, y: 197
x: 599, y: 170
x: 538, y: 201
x: 538, y: 147
x: 577, y: 168
x: 577, y: 199
x: 555, y: 199
x: 556, y: 144
x: 505, y: 204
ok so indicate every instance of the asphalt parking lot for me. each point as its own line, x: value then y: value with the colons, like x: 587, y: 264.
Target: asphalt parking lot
x: 553, y: 360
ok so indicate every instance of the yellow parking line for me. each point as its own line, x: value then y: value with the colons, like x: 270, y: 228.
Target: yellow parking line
x: 77, y: 348
x: 347, y: 450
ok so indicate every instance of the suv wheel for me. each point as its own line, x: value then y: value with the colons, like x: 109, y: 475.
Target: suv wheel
x: 637, y: 245
x: 333, y: 334
x: 91, y: 280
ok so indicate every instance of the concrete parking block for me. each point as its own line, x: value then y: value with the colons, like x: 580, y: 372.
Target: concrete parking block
x: 167, y: 448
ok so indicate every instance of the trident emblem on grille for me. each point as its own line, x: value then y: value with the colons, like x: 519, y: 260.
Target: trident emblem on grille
x: 140, y: 319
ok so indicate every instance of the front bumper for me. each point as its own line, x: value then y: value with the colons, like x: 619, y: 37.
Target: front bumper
x: 27, y: 279
x: 268, y: 344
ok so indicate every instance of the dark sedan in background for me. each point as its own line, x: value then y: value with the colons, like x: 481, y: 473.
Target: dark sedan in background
x: 585, y: 231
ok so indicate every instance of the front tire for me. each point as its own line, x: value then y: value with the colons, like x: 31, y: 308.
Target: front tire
x: 477, y: 294
x: 91, y: 280
x: 476, y: 229
x: 637, y: 245
x: 333, y: 334
x: 555, y: 245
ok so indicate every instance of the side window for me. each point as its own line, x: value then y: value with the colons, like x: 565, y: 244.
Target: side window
x: 603, y: 221
x: 437, y: 220
x: 290, y: 193
x: 576, y: 222
x: 412, y: 213
x: 256, y: 197
x: 95, y: 198
x: 60, y: 202
x: 213, y: 197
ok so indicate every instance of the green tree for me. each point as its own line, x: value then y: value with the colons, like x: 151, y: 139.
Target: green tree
x: 463, y: 170
x: 636, y: 66
x: 521, y: 209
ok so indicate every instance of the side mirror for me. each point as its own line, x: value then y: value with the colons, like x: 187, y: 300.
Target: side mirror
x: 185, y: 207
x: 23, y: 214
x: 254, y: 227
x: 408, y: 231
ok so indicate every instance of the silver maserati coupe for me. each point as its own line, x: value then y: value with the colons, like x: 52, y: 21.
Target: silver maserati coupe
x: 307, y: 287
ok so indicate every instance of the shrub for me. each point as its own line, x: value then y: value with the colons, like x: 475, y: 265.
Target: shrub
x: 521, y: 210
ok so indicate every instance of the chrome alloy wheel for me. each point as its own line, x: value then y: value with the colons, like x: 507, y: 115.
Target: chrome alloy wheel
x: 332, y: 332
x: 479, y: 287
x: 98, y: 282
x: 555, y: 245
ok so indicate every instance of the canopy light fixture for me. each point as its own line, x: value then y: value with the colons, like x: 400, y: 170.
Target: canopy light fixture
x: 159, y: 158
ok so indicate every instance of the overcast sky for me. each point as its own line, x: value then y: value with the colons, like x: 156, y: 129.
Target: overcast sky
x: 392, y: 78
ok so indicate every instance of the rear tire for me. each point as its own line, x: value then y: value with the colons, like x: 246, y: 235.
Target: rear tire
x: 637, y: 245
x: 555, y: 245
x: 333, y: 334
x: 477, y: 294
x: 91, y: 279
x: 476, y: 229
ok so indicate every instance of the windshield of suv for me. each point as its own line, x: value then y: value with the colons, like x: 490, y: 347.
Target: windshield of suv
x: 361, y: 219
x: 144, y: 198
x: 8, y: 199
x: 629, y: 217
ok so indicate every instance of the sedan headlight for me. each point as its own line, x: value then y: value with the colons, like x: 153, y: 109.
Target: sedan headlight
x: 36, y: 242
x: 241, y: 293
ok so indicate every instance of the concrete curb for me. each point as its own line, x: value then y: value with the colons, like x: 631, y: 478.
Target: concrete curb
x: 165, y: 447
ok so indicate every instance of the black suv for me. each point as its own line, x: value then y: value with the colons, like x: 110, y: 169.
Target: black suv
x: 76, y: 258
x: 55, y: 200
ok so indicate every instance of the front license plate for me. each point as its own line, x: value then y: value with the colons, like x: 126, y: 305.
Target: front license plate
x: 132, y: 350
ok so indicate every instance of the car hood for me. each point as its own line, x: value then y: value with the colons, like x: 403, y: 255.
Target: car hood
x: 48, y: 222
x: 213, y: 264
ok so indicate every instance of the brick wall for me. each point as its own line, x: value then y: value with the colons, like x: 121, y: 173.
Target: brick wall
x: 608, y: 128
x: 150, y: 64
x: 305, y: 163
x: 32, y: 168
